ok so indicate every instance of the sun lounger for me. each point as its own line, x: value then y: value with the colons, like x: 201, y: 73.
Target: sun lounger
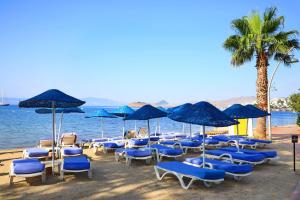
x: 39, y: 153
x: 184, y: 144
x: 269, y: 155
x: 165, y: 151
x: 68, y: 140
x: 25, y: 168
x: 45, y: 144
x: 137, y: 142
x: 233, y: 141
x: 234, y: 157
x: 76, y: 164
x: 71, y: 151
x: 182, y: 170
x: 136, y: 154
x: 108, y: 145
x: 235, y: 170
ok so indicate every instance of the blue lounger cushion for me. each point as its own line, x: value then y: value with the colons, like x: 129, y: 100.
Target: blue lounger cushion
x: 167, y: 150
x: 190, y: 143
x: 261, y: 141
x: 27, y: 166
x: 99, y: 140
x: 266, y: 154
x: 247, y: 142
x: 201, y: 173
x: 113, y: 145
x: 154, y: 138
x: 136, y: 152
x: 211, y: 141
x: 76, y: 163
x: 168, y: 142
x: 222, y: 138
x: 227, y: 167
x: 37, y: 152
x: 239, y: 156
x: 72, y: 151
x: 138, y: 142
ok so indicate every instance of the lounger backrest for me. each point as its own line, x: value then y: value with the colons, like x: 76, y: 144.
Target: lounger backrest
x: 130, y: 134
x: 142, y: 132
x: 68, y: 139
x: 45, y: 143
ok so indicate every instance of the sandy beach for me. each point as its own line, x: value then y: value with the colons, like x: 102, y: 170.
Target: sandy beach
x: 112, y: 180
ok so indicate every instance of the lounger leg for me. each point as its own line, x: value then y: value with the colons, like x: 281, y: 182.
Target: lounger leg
x: 237, y: 178
x: 148, y: 161
x: 117, y: 157
x: 183, y: 185
x: 44, y: 177
x: 104, y: 150
x: 61, y: 177
x: 11, y: 180
x: 90, y: 173
x: 128, y: 161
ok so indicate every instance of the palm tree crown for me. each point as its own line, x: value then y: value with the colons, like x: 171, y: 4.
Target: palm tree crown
x: 256, y: 35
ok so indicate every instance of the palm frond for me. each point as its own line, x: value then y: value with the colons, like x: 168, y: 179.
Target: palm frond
x: 273, y: 25
x: 270, y: 13
x: 241, y: 26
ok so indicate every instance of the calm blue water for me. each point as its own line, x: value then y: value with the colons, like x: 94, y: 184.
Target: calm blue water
x: 24, y: 128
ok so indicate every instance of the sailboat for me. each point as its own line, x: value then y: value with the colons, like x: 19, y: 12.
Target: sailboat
x: 2, y: 101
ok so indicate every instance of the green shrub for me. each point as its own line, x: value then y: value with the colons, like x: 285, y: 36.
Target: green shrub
x: 298, y: 119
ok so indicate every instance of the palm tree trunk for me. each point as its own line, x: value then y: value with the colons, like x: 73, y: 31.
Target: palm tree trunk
x: 261, y: 93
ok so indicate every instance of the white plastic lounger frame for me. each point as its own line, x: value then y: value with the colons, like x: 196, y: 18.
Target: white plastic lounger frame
x: 25, y: 155
x: 184, y: 148
x: 159, y: 156
x: 12, y: 175
x: 235, y: 143
x: 235, y: 176
x: 62, y: 170
x: 129, y: 158
x: 207, y: 183
x: 228, y: 157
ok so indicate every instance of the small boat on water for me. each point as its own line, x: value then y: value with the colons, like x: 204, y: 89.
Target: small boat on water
x: 2, y: 103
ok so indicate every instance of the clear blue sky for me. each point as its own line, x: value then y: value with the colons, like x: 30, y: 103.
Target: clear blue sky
x: 131, y: 50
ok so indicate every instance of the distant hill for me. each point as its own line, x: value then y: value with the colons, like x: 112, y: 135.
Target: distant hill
x: 227, y: 102
x: 162, y: 103
x: 137, y: 104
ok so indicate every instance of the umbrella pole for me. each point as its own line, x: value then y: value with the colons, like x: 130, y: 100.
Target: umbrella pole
x: 148, y: 132
x: 203, y: 154
x: 191, y: 131
x: 238, y: 138
x: 135, y: 125
x: 59, y: 131
x: 123, y: 128
x: 158, y: 126
x: 183, y: 128
x: 60, y: 127
x: 101, y: 124
x: 53, y: 134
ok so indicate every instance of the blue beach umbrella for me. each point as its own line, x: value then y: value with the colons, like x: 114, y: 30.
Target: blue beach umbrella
x: 102, y: 113
x: 205, y: 114
x: 177, y: 112
x: 123, y: 111
x: 51, y: 99
x: 256, y: 111
x: 146, y: 112
x: 62, y: 111
x: 238, y: 111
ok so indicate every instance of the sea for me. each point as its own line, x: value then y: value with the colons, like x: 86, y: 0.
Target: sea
x: 22, y: 127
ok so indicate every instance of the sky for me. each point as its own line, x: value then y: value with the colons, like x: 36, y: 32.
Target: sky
x: 133, y: 50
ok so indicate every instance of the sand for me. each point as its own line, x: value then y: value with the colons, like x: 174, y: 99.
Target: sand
x: 112, y: 180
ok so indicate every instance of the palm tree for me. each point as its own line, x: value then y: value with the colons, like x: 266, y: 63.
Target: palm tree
x: 262, y: 38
